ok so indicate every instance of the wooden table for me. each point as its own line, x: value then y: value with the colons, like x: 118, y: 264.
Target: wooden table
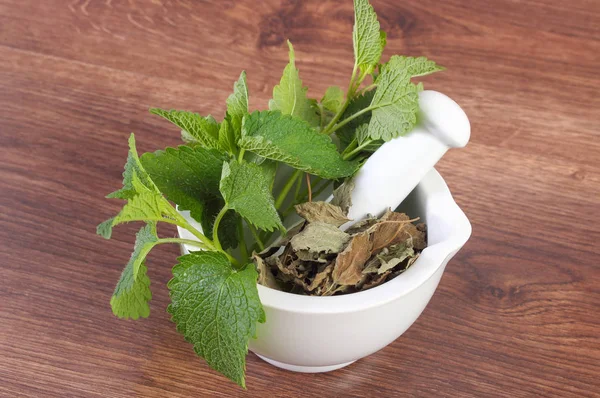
x: 517, y: 311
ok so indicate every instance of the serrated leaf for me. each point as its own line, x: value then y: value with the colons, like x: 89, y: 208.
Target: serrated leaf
x: 289, y: 96
x: 347, y: 133
x: 227, y: 137
x: 245, y: 190
x: 363, y: 138
x: 237, y: 105
x: 144, y: 200
x: 104, y: 229
x: 418, y: 66
x: 187, y: 176
x: 203, y: 130
x: 290, y: 140
x: 395, y: 103
x: 333, y: 99
x: 367, y: 37
x: 216, y: 308
x: 132, y: 293
x: 132, y: 167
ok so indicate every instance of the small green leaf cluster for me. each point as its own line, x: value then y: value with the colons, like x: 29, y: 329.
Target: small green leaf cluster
x: 224, y: 176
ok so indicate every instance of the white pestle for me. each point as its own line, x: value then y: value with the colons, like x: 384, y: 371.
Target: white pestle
x: 396, y: 168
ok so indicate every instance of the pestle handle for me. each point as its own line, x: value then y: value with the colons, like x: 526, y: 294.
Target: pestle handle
x: 396, y: 168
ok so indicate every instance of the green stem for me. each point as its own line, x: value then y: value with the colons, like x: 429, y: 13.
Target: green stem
x: 216, y: 227
x: 364, y: 90
x: 182, y: 222
x: 353, y: 144
x: 182, y: 242
x: 298, y: 186
x: 241, y: 155
x: 350, y: 118
x: 288, y: 185
x: 322, y: 117
x: 243, y: 247
x: 349, y: 96
x: 357, y: 150
x: 254, y: 232
x: 209, y: 245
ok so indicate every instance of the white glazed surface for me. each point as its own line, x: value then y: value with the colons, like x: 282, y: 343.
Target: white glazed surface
x: 313, y: 334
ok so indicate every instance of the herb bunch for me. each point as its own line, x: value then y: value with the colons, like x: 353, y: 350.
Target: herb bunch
x: 225, y: 173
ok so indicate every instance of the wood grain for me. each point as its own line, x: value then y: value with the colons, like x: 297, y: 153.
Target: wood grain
x: 516, y: 313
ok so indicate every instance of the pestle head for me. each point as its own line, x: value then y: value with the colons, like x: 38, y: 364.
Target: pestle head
x: 393, y: 171
x: 444, y: 118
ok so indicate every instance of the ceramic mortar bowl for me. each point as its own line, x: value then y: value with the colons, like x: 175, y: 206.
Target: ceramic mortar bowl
x: 320, y: 334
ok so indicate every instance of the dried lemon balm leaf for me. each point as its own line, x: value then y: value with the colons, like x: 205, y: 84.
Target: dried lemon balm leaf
x: 319, y: 259
x: 322, y: 212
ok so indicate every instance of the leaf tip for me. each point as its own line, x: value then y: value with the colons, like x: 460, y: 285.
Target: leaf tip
x: 104, y: 229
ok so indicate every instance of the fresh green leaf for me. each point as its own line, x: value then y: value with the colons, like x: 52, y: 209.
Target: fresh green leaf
x: 237, y: 105
x: 269, y: 169
x: 187, y: 176
x: 144, y: 200
x: 417, y: 66
x: 347, y: 133
x: 367, y: 37
x: 203, y: 130
x: 382, y: 39
x: 290, y: 140
x: 227, y: 137
x: 246, y: 191
x: 289, y: 96
x: 362, y: 133
x: 132, y: 167
x: 228, y: 231
x: 147, y: 205
x: 333, y: 99
x: 104, y: 229
x: 364, y: 140
x: 395, y: 103
x: 132, y: 294
x: 216, y: 308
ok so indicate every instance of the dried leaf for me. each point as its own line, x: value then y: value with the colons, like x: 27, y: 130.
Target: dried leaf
x: 265, y: 276
x: 342, y: 195
x: 322, y: 211
x: 372, y: 266
x: 376, y: 281
x: 320, y: 237
x: 320, y: 277
x: 350, y: 263
x: 362, y: 225
x: 393, y: 228
x: 306, y: 255
x: 394, y: 255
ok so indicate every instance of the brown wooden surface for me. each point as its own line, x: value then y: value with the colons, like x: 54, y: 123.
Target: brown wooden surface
x: 517, y: 311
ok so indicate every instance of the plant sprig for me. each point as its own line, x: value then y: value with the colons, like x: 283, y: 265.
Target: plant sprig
x: 225, y: 176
